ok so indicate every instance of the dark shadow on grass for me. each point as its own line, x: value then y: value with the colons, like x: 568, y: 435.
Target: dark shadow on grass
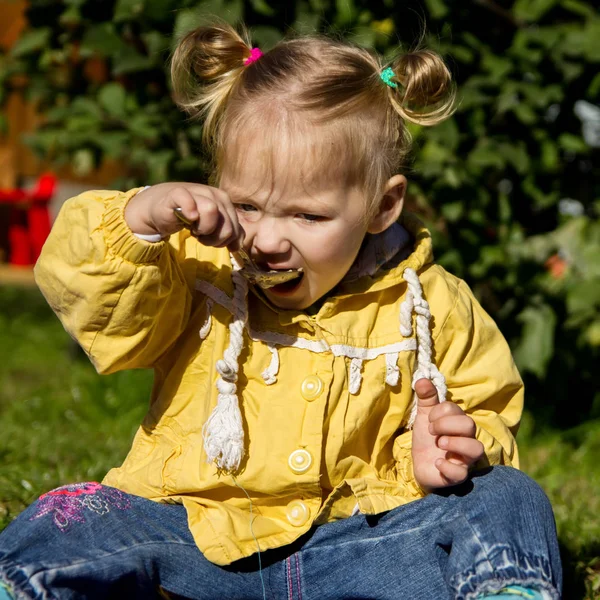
x: 19, y: 301
x: 574, y: 575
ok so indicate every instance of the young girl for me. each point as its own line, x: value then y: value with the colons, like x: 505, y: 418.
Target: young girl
x: 284, y: 453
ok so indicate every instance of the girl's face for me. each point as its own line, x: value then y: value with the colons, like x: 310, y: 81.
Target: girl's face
x: 289, y: 225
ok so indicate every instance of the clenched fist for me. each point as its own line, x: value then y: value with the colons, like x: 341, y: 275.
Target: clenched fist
x: 151, y: 212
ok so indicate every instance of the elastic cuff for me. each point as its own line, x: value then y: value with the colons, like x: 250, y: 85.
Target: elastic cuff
x: 119, y: 237
x: 505, y: 568
x: 15, y: 583
x: 149, y: 237
x: 515, y: 592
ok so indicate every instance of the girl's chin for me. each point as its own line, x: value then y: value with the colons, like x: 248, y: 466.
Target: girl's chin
x: 292, y: 295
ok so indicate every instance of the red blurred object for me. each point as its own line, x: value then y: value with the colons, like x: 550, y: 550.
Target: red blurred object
x: 28, y: 219
x: 556, y: 266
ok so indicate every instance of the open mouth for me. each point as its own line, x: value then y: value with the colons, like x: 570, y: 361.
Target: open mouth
x: 267, y: 279
x: 288, y: 287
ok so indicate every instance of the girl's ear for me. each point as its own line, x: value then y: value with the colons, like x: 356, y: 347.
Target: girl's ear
x: 390, y: 205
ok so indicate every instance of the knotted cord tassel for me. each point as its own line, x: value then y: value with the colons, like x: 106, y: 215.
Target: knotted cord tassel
x: 425, y: 367
x: 392, y: 371
x: 355, y: 375
x: 406, y: 310
x: 269, y: 374
x: 223, y: 431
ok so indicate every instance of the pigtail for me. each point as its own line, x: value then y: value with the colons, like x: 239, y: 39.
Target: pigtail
x: 425, y: 94
x: 205, y: 67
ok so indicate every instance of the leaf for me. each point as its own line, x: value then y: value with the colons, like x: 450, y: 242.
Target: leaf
x: 536, y: 346
x: 583, y: 296
x: 572, y: 143
x: 592, y: 335
x: 112, y: 98
x: 31, y: 41
x: 83, y: 162
x: 516, y: 155
x: 579, y: 8
x: 128, y: 10
x: 87, y: 106
x: 131, y: 61
x: 70, y: 17
x: 453, y: 211
x: 363, y: 36
x: 265, y: 36
x: 437, y: 8
x: 155, y: 42
x: 158, y: 165
x: 532, y: 10
x: 102, y: 39
x: 550, y: 156
x: 82, y: 123
x: 189, y: 19
x: 306, y: 22
x: 114, y: 143
x: 186, y: 21
x: 160, y: 11
x: 142, y: 126
x: 497, y: 66
x: 485, y: 155
x: 592, y: 40
x: 345, y: 11
x: 262, y: 8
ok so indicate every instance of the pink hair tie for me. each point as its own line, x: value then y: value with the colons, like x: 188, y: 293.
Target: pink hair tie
x: 255, y: 54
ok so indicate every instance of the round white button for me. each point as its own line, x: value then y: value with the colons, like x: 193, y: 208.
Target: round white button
x: 300, y: 461
x: 297, y: 513
x: 311, y: 388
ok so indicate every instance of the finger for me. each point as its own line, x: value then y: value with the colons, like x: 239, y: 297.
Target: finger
x: 426, y: 393
x: 237, y: 236
x: 468, y: 449
x: 225, y: 231
x: 210, y: 218
x: 454, y: 473
x: 457, y: 425
x: 236, y: 239
x: 235, y: 244
x: 214, y: 238
x: 181, y: 198
x: 445, y: 409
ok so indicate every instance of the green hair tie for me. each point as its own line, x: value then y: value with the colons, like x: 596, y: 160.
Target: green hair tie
x: 386, y: 76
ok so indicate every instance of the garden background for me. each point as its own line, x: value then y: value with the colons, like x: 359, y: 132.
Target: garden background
x: 509, y: 186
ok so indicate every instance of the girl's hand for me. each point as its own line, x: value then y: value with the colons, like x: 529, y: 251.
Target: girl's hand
x: 443, y: 443
x: 151, y: 212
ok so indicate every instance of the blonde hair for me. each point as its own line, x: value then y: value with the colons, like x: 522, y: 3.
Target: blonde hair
x: 316, y: 83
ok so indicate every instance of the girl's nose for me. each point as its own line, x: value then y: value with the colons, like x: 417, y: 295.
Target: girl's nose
x: 268, y: 238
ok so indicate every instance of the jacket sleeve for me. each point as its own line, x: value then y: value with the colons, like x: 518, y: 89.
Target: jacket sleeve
x: 472, y: 354
x: 124, y: 300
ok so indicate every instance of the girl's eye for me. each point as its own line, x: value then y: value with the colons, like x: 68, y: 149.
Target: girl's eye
x: 245, y: 207
x: 310, y: 218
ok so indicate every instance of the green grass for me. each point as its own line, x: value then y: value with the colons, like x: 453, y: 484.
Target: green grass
x: 61, y: 422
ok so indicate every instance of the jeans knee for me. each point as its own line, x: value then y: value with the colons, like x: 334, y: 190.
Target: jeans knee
x: 511, y: 489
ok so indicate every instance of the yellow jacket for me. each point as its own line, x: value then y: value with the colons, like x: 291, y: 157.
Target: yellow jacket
x: 325, y: 398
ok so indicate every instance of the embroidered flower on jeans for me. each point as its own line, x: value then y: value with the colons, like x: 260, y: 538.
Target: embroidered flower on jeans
x: 67, y: 504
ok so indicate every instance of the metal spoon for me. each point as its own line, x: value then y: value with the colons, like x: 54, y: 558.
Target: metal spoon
x: 251, y: 271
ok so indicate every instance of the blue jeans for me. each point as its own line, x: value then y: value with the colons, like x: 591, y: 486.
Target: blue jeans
x: 92, y: 541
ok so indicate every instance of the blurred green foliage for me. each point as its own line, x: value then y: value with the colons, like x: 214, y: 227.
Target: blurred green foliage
x: 509, y: 185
